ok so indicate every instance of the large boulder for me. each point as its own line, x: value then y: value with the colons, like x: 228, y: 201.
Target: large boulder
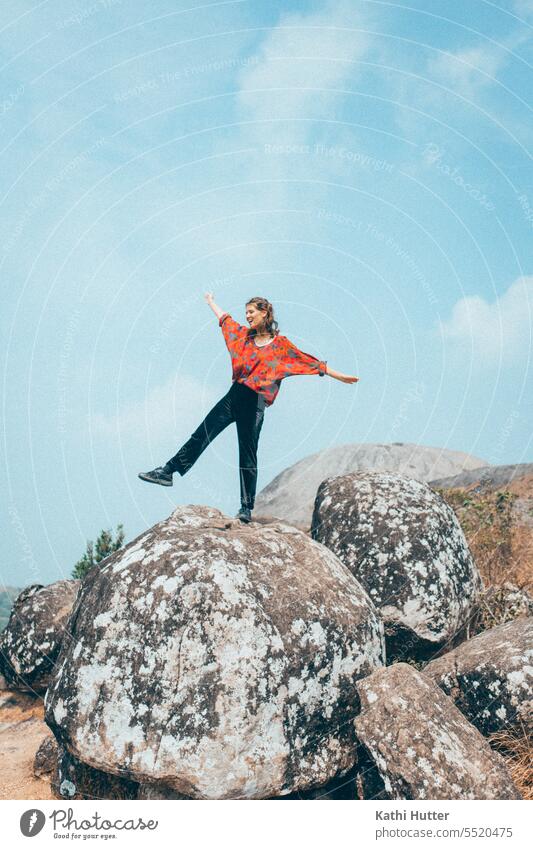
x: 73, y: 779
x: 218, y: 659
x: 403, y: 542
x: 415, y: 744
x: 30, y: 643
x: 290, y: 495
x: 490, y: 677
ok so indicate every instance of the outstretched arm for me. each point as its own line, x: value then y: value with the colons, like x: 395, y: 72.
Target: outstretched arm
x: 338, y: 375
x: 299, y: 362
x: 211, y: 301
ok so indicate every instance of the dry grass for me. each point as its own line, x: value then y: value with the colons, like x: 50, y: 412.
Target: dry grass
x: 500, y: 548
x: 501, y: 541
x: 517, y: 749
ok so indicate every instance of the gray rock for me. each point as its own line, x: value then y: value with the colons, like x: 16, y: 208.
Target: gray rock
x: 487, y: 478
x: 342, y: 787
x: 30, y: 643
x: 73, y: 779
x: 415, y: 744
x: 217, y: 658
x: 404, y: 544
x: 46, y: 756
x: 490, y: 677
x: 291, y: 494
x: 158, y: 792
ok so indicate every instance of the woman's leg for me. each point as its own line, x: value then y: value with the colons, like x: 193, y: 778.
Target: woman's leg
x: 249, y: 417
x: 218, y: 418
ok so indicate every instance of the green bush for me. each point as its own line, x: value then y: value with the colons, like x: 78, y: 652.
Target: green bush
x: 94, y: 554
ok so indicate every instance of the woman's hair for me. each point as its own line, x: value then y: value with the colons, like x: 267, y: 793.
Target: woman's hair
x: 271, y: 325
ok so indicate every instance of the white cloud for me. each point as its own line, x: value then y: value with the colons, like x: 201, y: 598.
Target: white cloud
x: 303, y: 51
x: 166, y: 416
x: 523, y: 8
x: 501, y: 331
x: 467, y: 71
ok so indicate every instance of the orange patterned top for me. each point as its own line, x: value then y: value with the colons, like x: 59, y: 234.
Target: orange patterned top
x: 262, y: 368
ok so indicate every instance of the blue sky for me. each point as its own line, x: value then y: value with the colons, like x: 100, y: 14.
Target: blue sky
x: 364, y: 165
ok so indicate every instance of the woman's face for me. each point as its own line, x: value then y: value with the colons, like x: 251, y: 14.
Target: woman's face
x: 254, y: 316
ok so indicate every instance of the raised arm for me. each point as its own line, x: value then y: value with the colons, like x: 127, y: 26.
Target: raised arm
x: 211, y: 301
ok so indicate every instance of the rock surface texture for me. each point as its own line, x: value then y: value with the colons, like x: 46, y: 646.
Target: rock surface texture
x: 30, y: 643
x: 292, y: 493
x: 415, y: 744
x: 404, y: 544
x: 490, y: 677
x: 218, y: 659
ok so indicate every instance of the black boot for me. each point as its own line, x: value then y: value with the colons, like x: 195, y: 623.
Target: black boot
x: 161, y: 475
x: 244, y: 514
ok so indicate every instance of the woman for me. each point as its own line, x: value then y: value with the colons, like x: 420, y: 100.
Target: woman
x: 261, y: 358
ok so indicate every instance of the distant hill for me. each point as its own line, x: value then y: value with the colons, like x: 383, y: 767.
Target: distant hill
x: 517, y: 479
x: 7, y: 595
x: 486, y: 478
x: 291, y: 494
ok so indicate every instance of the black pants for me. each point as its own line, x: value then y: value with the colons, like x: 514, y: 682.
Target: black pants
x: 242, y: 405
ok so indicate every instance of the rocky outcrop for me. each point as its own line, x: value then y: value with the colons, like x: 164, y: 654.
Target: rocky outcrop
x: 485, y: 478
x: 415, y: 744
x: 217, y: 659
x: 158, y: 792
x: 73, y: 779
x: 30, y: 643
x: 490, y: 677
x: 291, y: 494
x: 46, y: 756
x: 404, y: 544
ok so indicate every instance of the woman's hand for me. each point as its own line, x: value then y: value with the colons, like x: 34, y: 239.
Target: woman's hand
x: 348, y: 378
x: 209, y: 297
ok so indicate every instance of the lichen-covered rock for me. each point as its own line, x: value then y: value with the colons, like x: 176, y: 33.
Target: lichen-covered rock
x: 158, y: 792
x: 342, y: 787
x: 46, y: 756
x: 217, y: 658
x: 415, y: 744
x: 490, y: 677
x: 30, y: 643
x: 73, y: 779
x: 404, y: 544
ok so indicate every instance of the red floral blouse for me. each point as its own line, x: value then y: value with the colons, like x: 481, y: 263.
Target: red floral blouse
x: 262, y: 368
